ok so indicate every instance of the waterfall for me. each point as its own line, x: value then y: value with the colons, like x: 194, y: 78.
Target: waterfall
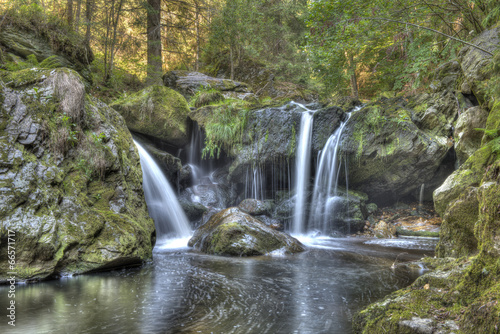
x: 325, y: 191
x: 163, y: 207
x: 302, y: 159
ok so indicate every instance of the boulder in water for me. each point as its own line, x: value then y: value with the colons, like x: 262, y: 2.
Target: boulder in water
x: 235, y: 233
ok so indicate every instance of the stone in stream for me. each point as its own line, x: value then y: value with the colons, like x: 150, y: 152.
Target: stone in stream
x: 235, y: 233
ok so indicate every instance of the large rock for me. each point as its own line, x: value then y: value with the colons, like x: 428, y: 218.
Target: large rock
x: 71, y: 185
x: 64, y: 48
x: 467, y: 136
x: 158, y: 112
x: 474, y: 61
x: 188, y: 83
x: 457, y: 229
x: 469, y: 174
x: 233, y: 232
x: 389, y: 157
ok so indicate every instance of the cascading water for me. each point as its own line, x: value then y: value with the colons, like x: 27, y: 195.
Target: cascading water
x: 163, y: 207
x: 302, y: 159
x: 325, y: 192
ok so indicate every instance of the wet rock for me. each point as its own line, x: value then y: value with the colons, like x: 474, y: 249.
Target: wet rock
x: 158, y: 112
x: 75, y: 204
x: 235, y: 233
x: 255, y: 207
x: 467, y: 136
x: 271, y: 137
x: 188, y: 83
x: 193, y: 210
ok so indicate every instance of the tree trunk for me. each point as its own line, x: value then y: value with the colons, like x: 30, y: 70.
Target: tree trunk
x: 115, y: 19
x: 155, y: 70
x: 69, y: 12
x: 88, y: 22
x: 231, y: 61
x: 354, y: 80
x: 197, y: 65
x: 78, y: 13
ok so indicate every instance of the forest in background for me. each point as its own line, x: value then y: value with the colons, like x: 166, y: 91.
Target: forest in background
x: 340, y: 48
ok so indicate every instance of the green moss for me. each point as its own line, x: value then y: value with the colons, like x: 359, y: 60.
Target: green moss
x: 156, y: 111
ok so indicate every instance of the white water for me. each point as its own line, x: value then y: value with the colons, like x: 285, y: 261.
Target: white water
x: 325, y: 191
x: 303, y: 162
x: 163, y: 207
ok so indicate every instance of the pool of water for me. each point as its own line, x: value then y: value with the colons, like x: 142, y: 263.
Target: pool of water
x: 183, y: 291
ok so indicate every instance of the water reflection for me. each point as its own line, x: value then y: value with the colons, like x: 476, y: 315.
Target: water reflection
x: 182, y: 291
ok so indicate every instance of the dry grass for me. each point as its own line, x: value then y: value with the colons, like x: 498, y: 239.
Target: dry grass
x: 68, y: 87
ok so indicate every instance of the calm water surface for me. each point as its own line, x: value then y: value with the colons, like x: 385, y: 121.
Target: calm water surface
x: 183, y: 291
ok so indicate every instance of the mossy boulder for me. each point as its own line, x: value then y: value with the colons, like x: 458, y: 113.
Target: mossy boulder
x: 469, y: 174
x: 457, y: 230
x: 53, y: 46
x: 235, y: 233
x: 389, y: 156
x: 71, y: 183
x: 156, y: 111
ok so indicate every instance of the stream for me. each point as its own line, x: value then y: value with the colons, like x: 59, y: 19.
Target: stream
x: 184, y: 291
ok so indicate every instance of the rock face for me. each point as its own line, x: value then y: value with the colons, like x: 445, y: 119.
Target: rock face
x: 70, y: 183
x: 461, y: 294
x: 188, y: 83
x: 235, y: 233
x: 473, y: 62
x: 65, y: 50
x: 389, y: 157
x: 271, y: 135
x: 158, y: 112
x: 467, y: 137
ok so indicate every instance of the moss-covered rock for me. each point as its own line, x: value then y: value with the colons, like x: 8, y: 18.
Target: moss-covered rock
x: 71, y: 184
x: 156, y: 111
x: 389, y: 157
x: 54, y: 44
x: 469, y: 174
x: 255, y: 207
x: 460, y: 295
x: 233, y: 232
x: 457, y: 230
x: 467, y: 134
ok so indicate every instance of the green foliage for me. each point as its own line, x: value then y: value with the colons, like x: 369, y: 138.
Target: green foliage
x: 205, y: 96
x: 362, y: 38
x: 258, y: 33
x: 226, y: 128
